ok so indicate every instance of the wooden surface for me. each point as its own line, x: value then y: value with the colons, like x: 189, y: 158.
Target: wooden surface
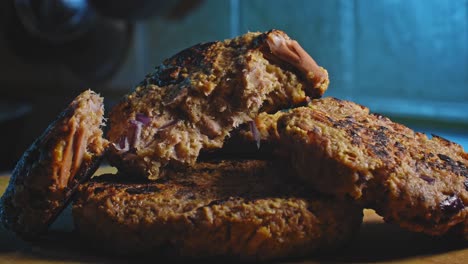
x: 377, y: 242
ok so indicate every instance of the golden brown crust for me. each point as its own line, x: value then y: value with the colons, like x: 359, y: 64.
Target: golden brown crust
x: 196, y: 98
x: 340, y: 148
x: 43, y: 180
x: 243, y: 209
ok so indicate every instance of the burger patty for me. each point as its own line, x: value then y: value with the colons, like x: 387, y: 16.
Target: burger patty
x: 43, y: 180
x: 193, y: 100
x: 417, y: 182
x: 251, y: 210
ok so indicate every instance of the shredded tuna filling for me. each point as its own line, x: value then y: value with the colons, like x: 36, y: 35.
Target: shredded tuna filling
x: 194, y: 100
x: 84, y: 141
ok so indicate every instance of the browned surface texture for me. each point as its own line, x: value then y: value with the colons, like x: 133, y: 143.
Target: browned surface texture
x: 193, y: 100
x: 44, y: 178
x: 246, y: 209
x: 377, y: 242
x: 420, y: 183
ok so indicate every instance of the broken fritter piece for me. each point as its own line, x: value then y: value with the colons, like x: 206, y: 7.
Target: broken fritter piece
x: 45, y: 177
x: 196, y: 98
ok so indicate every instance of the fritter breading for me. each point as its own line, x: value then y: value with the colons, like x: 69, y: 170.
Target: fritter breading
x: 196, y: 98
x: 417, y: 182
x: 45, y: 177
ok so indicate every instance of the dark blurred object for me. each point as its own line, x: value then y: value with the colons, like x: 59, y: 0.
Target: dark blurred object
x: 183, y: 8
x: 132, y: 10
x: 51, y: 50
x: 143, y: 9
x: 100, y: 53
x: 56, y: 21
x: 90, y: 38
x: 68, y: 33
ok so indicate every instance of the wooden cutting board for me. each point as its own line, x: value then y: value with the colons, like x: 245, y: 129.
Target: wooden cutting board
x: 377, y: 242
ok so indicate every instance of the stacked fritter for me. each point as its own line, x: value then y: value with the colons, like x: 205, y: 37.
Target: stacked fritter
x: 195, y: 99
x: 340, y: 148
x: 246, y: 209
x: 250, y: 209
x: 327, y: 159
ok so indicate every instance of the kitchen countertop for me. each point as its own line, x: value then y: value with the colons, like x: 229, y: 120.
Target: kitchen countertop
x: 377, y: 242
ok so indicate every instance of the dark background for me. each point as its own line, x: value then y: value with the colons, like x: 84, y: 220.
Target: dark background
x: 407, y: 59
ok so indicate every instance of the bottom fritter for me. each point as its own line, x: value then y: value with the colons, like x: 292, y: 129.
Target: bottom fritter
x: 244, y: 209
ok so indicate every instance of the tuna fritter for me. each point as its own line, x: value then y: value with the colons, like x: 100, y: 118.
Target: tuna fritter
x: 417, y: 182
x: 243, y: 209
x: 49, y: 171
x: 193, y: 100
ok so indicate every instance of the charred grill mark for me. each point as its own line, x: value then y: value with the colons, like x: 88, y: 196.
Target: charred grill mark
x: 462, y: 166
x: 379, y: 150
x: 381, y: 140
x: 164, y: 76
x: 344, y: 123
x: 445, y: 158
x: 351, y: 127
x: 441, y: 139
x: 448, y: 163
x: 172, y: 69
x: 452, y: 205
x: 380, y: 135
x: 355, y: 138
x: 142, y: 190
x: 399, y: 146
x: 194, y: 55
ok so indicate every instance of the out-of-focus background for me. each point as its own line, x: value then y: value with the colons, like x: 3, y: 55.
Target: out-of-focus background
x: 407, y: 59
